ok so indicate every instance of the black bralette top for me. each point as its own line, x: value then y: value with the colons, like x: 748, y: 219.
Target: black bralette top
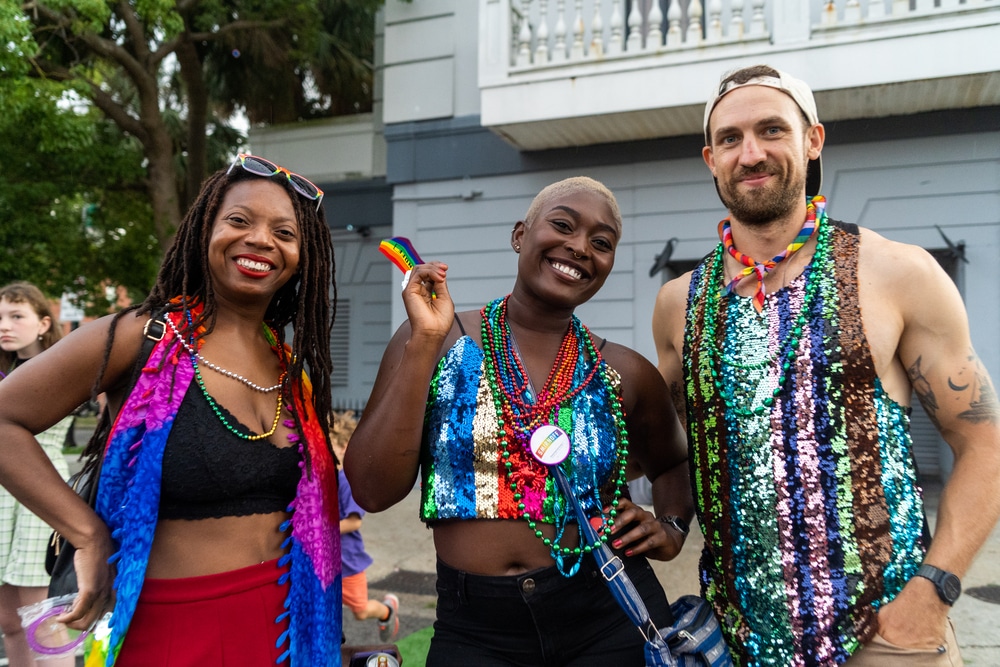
x: 209, y: 472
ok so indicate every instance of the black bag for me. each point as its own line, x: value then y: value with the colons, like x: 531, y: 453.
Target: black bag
x: 59, y: 554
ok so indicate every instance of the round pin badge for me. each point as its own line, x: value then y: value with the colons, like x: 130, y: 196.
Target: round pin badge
x: 549, y: 444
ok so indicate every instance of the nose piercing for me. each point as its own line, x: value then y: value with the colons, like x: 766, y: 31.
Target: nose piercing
x: 576, y: 256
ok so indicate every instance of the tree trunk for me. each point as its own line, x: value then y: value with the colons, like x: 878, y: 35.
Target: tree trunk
x: 197, y: 119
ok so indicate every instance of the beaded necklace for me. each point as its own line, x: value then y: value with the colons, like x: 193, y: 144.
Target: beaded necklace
x: 786, y: 349
x: 189, y: 346
x: 222, y: 371
x: 519, y: 411
x: 817, y: 206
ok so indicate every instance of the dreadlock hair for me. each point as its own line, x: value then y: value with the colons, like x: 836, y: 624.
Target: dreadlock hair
x: 304, y: 301
x: 24, y: 292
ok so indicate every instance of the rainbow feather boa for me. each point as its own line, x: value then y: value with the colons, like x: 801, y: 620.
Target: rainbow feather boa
x: 129, y: 498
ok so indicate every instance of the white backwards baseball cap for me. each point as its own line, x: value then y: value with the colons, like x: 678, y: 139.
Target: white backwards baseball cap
x: 794, y: 88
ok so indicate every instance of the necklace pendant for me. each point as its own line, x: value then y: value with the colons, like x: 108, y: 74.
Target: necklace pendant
x: 549, y: 444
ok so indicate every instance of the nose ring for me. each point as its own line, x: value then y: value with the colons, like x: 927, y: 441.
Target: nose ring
x: 576, y: 256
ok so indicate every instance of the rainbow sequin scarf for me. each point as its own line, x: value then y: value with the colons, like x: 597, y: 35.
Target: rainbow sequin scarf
x: 129, y: 499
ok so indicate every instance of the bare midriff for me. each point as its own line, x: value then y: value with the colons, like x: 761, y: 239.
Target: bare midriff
x: 496, y: 547
x: 183, y: 548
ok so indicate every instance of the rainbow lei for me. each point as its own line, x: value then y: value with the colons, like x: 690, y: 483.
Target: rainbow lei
x: 815, y: 208
x: 129, y: 497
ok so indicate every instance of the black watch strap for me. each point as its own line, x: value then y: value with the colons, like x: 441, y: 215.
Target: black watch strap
x: 679, y: 524
x: 948, y: 585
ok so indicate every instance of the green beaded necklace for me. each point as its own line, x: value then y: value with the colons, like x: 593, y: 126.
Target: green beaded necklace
x: 272, y: 339
x: 788, y: 348
x: 497, y: 340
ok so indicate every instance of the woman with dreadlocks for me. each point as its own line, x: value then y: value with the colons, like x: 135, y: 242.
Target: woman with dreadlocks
x: 217, y: 501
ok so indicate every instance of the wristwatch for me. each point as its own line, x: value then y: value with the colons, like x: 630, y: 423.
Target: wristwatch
x: 678, y: 524
x: 948, y: 585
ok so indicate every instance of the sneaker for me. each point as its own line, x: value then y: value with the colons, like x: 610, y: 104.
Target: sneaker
x: 389, y: 628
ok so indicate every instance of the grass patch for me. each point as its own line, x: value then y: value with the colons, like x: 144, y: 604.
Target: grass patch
x: 414, y: 647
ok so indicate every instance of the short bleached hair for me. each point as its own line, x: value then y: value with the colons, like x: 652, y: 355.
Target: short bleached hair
x: 569, y: 186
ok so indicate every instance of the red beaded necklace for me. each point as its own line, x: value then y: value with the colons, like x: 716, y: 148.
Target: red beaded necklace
x: 521, y: 407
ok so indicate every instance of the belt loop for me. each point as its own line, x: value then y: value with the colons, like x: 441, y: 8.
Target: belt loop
x: 462, y: 597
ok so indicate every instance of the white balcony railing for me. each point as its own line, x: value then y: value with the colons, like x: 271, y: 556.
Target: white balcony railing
x: 558, y: 73
x: 548, y: 32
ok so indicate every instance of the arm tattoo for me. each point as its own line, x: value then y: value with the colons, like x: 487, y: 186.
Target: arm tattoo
x: 983, y: 404
x: 925, y: 394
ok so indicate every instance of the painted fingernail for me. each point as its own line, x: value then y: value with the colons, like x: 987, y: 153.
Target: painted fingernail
x: 617, y: 544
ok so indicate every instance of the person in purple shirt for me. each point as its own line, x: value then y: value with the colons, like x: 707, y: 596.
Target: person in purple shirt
x: 355, y: 560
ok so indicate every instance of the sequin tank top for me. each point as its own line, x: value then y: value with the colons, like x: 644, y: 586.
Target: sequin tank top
x: 462, y: 461
x: 802, y: 465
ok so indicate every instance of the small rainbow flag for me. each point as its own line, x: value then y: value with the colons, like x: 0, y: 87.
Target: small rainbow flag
x: 400, y: 252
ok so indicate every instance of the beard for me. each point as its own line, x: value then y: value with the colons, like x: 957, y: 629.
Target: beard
x: 761, y: 206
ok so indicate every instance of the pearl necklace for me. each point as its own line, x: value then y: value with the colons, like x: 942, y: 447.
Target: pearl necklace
x: 225, y: 422
x: 208, y: 397
x: 222, y: 371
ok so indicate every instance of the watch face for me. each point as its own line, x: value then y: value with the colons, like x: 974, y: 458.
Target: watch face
x: 951, y: 587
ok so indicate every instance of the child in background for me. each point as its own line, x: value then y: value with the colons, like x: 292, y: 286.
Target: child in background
x: 354, y: 559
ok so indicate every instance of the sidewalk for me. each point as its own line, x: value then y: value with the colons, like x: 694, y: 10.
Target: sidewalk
x: 404, y: 564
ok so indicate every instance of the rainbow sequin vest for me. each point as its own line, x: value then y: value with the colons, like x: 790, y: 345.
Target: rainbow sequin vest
x: 462, y: 462
x: 802, y: 465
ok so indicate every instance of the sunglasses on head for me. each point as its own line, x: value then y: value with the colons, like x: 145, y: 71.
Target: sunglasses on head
x: 261, y: 167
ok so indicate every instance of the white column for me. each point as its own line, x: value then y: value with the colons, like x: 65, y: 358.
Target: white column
x: 791, y: 21
x: 654, y: 38
x: 576, y: 51
x: 559, y: 46
x: 542, y: 34
x: 694, y: 22
x: 736, y: 23
x: 758, y: 25
x: 524, y: 36
x: 617, y: 26
x: 713, y: 29
x: 852, y: 12
x: 597, y: 32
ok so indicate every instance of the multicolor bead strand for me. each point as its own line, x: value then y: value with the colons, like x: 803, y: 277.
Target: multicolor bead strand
x: 517, y: 418
x: 815, y: 209
x: 786, y: 350
x: 192, y: 353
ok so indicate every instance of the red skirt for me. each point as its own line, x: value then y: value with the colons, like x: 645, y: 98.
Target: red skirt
x: 219, y: 620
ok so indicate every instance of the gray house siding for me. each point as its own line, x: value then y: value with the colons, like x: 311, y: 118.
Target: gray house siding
x: 904, y: 187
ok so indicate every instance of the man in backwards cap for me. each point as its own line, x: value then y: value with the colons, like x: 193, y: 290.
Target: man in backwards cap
x: 802, y: 341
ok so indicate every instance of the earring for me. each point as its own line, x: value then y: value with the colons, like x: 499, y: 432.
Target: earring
x: 517, y: 247
x: 39, y: 338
